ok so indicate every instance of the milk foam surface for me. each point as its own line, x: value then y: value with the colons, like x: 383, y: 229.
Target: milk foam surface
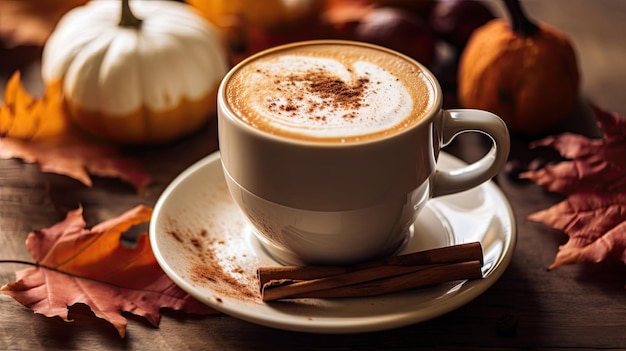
x: 324, y: 92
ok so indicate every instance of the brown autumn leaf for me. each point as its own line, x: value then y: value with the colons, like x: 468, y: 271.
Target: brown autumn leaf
x: 594, y: 177
x: 36, y: 130
x: 30, y: 22
x: 596, y: 226
x: 594, y: 165
x: 93, y: 267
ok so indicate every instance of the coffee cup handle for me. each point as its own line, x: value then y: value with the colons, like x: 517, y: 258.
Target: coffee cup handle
x: 455, y: 122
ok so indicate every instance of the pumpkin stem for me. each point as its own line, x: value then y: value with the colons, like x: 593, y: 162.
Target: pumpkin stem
x: 521, y: 25
x: 128, y: 19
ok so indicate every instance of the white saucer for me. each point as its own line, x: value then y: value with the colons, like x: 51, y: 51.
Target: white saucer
x: 204, y: 244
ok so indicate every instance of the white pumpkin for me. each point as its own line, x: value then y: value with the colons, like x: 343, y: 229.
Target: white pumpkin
x: 134, y: 81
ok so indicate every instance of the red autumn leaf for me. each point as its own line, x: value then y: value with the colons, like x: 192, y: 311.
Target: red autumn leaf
x: 595, y: 165
x: 91, y: 266
x: 596, y: 226
x: 37, y: 131
x: 594, y: 178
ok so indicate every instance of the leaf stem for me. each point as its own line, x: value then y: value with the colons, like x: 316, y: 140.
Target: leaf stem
x: 127, y: 18
x: 50, y: 268
x: 20, y: 262
x: 37, y: 264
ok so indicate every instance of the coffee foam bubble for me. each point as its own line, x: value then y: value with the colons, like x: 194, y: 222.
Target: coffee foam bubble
x: 324, y: 94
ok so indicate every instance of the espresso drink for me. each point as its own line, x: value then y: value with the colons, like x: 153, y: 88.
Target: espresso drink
x: 330, y: 92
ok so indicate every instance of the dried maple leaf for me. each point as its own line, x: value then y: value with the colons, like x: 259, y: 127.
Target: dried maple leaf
x: 37, y: 131
x: 594, y: 178
x: 596, y: 226
x: 91, y: 266
x: 30, y: 22
x: 595, y: 165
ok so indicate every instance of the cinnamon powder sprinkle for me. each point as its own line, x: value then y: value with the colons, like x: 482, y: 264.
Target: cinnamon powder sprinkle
x: 338, y: 91
x: 334, y: 92
x: 196, y: 243
x: 175, y: 235
x: 210, y: 268
x: 225, y: 283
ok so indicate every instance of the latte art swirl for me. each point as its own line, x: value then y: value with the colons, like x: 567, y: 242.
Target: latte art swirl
x: 321, y: 93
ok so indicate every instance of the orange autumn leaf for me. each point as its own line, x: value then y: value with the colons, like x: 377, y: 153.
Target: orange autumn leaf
x: 26, y: 118
x: 93, y: 267
x: 30, y: 22
x: 594, y: 177
x: 36, y: 130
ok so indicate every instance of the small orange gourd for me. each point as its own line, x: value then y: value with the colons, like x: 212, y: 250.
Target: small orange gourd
x: 264, y: 13
x: 526, y: 73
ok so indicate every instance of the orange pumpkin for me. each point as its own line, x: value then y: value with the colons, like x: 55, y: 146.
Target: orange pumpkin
x: 265, y: 13
x: 527, y: 74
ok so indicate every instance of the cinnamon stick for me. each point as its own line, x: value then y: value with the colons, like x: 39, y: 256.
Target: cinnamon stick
x: 392, y: 274
x: 449, y: 254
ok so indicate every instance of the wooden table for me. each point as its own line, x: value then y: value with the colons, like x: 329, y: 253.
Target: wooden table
x: 574, y: 307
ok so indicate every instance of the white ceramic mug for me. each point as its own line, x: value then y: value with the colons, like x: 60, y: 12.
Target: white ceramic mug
x: 320, y: 202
